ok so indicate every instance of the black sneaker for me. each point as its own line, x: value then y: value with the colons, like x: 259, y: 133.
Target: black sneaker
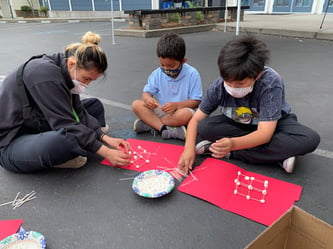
x: 202, y: 148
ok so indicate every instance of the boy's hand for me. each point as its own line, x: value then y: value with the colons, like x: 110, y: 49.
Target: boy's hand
x: 221, y: 147
x: 169, y: 107
x: 151, y: 103
x: 186, y: 161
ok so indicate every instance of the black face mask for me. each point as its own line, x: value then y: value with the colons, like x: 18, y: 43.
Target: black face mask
x: 172, y: 72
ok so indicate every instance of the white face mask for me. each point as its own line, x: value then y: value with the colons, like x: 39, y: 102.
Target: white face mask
x: 238, y: 92
x: 79, y: 87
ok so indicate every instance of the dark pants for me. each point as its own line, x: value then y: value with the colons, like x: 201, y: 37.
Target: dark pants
x: 290, y: 138
x: 34, y: 152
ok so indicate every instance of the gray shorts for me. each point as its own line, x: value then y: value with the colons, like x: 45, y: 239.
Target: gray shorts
x: 158, y: 111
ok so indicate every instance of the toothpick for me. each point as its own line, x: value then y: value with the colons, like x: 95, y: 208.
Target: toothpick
x: 180, y: 172
x: 18, y: 193
x: 162, y: 167
x: 19, y: 202
x: 11, y: 202
x: 157, y: 149
x: 176, y: 175
x: 24, y: 201
x: 128, y: 178
x: 184, y: 184
x: 198, y: 169
x: 196, y: 179
x: 7, y: 203
x: 166, y: 159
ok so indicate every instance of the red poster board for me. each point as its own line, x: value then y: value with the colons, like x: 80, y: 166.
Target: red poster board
x: 9, y: 227
x: 153, y: 156
x: 266, y: 199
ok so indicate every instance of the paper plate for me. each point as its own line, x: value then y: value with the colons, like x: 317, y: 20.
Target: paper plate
x: 24, y: 240
x: 153, y: 183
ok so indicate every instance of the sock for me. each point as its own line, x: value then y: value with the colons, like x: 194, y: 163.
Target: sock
x: 164, y: 127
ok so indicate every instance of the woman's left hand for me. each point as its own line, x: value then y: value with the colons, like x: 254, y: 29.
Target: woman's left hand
x: 117, y: 143
x: 121, y: 144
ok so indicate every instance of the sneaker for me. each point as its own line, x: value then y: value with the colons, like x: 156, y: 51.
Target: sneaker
x: 139, y: 126
x: 202, y: 148
x: 174, y: 132
x: 74, y: 163
x: 105, y: 129
x: 289, y: 164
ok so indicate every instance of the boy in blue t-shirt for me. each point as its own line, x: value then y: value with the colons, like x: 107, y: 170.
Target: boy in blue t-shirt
x: 256, y: 124
x: 172, y: 93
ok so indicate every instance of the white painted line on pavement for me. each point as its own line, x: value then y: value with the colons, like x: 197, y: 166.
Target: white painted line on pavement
x: 109, y: 102
x: 323, y: 153
x: 2, y: 77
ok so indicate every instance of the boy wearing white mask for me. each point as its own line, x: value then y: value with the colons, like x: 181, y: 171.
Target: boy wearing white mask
x: 256, y: 124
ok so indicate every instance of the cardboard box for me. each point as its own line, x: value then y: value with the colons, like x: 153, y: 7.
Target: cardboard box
x: 295, y: 229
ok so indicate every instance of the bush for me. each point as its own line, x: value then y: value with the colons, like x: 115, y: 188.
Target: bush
x: 175, y: 17
x: 26, y: 8
x: 44, y: 10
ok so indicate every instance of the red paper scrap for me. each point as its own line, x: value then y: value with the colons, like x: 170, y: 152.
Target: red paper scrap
x: 147, y: 155
x: 9, y: 227
x: 216, y: 182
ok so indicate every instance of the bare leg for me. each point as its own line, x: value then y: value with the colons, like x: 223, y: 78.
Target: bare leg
x: 178, y: 118
x: 147, y: 115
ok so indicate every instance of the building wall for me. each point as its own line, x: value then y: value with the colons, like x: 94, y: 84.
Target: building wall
x: 292, y: 6
x: 5, y: 9
x: 101, y: 8
x: 8, y: 7
x: 16, y: 4
x: 100, y: 5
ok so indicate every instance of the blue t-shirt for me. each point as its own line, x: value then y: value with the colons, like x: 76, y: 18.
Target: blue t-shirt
x: 186, y: 86
x: 265, y: 103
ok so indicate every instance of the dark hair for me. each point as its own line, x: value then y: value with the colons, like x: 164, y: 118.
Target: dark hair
x: 243, y: 57
x: 88, y: 54
x: 172, y: 46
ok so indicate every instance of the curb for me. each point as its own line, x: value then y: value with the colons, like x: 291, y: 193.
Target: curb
x: 159, y: 32
x: 280, y: 32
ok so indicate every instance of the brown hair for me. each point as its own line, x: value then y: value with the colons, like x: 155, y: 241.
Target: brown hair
x: 88, y: 54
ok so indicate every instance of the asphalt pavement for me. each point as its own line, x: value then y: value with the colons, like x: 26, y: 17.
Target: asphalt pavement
x: 93, y: 208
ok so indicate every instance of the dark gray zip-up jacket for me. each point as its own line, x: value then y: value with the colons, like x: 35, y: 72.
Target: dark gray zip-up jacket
x: 48, y: 85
